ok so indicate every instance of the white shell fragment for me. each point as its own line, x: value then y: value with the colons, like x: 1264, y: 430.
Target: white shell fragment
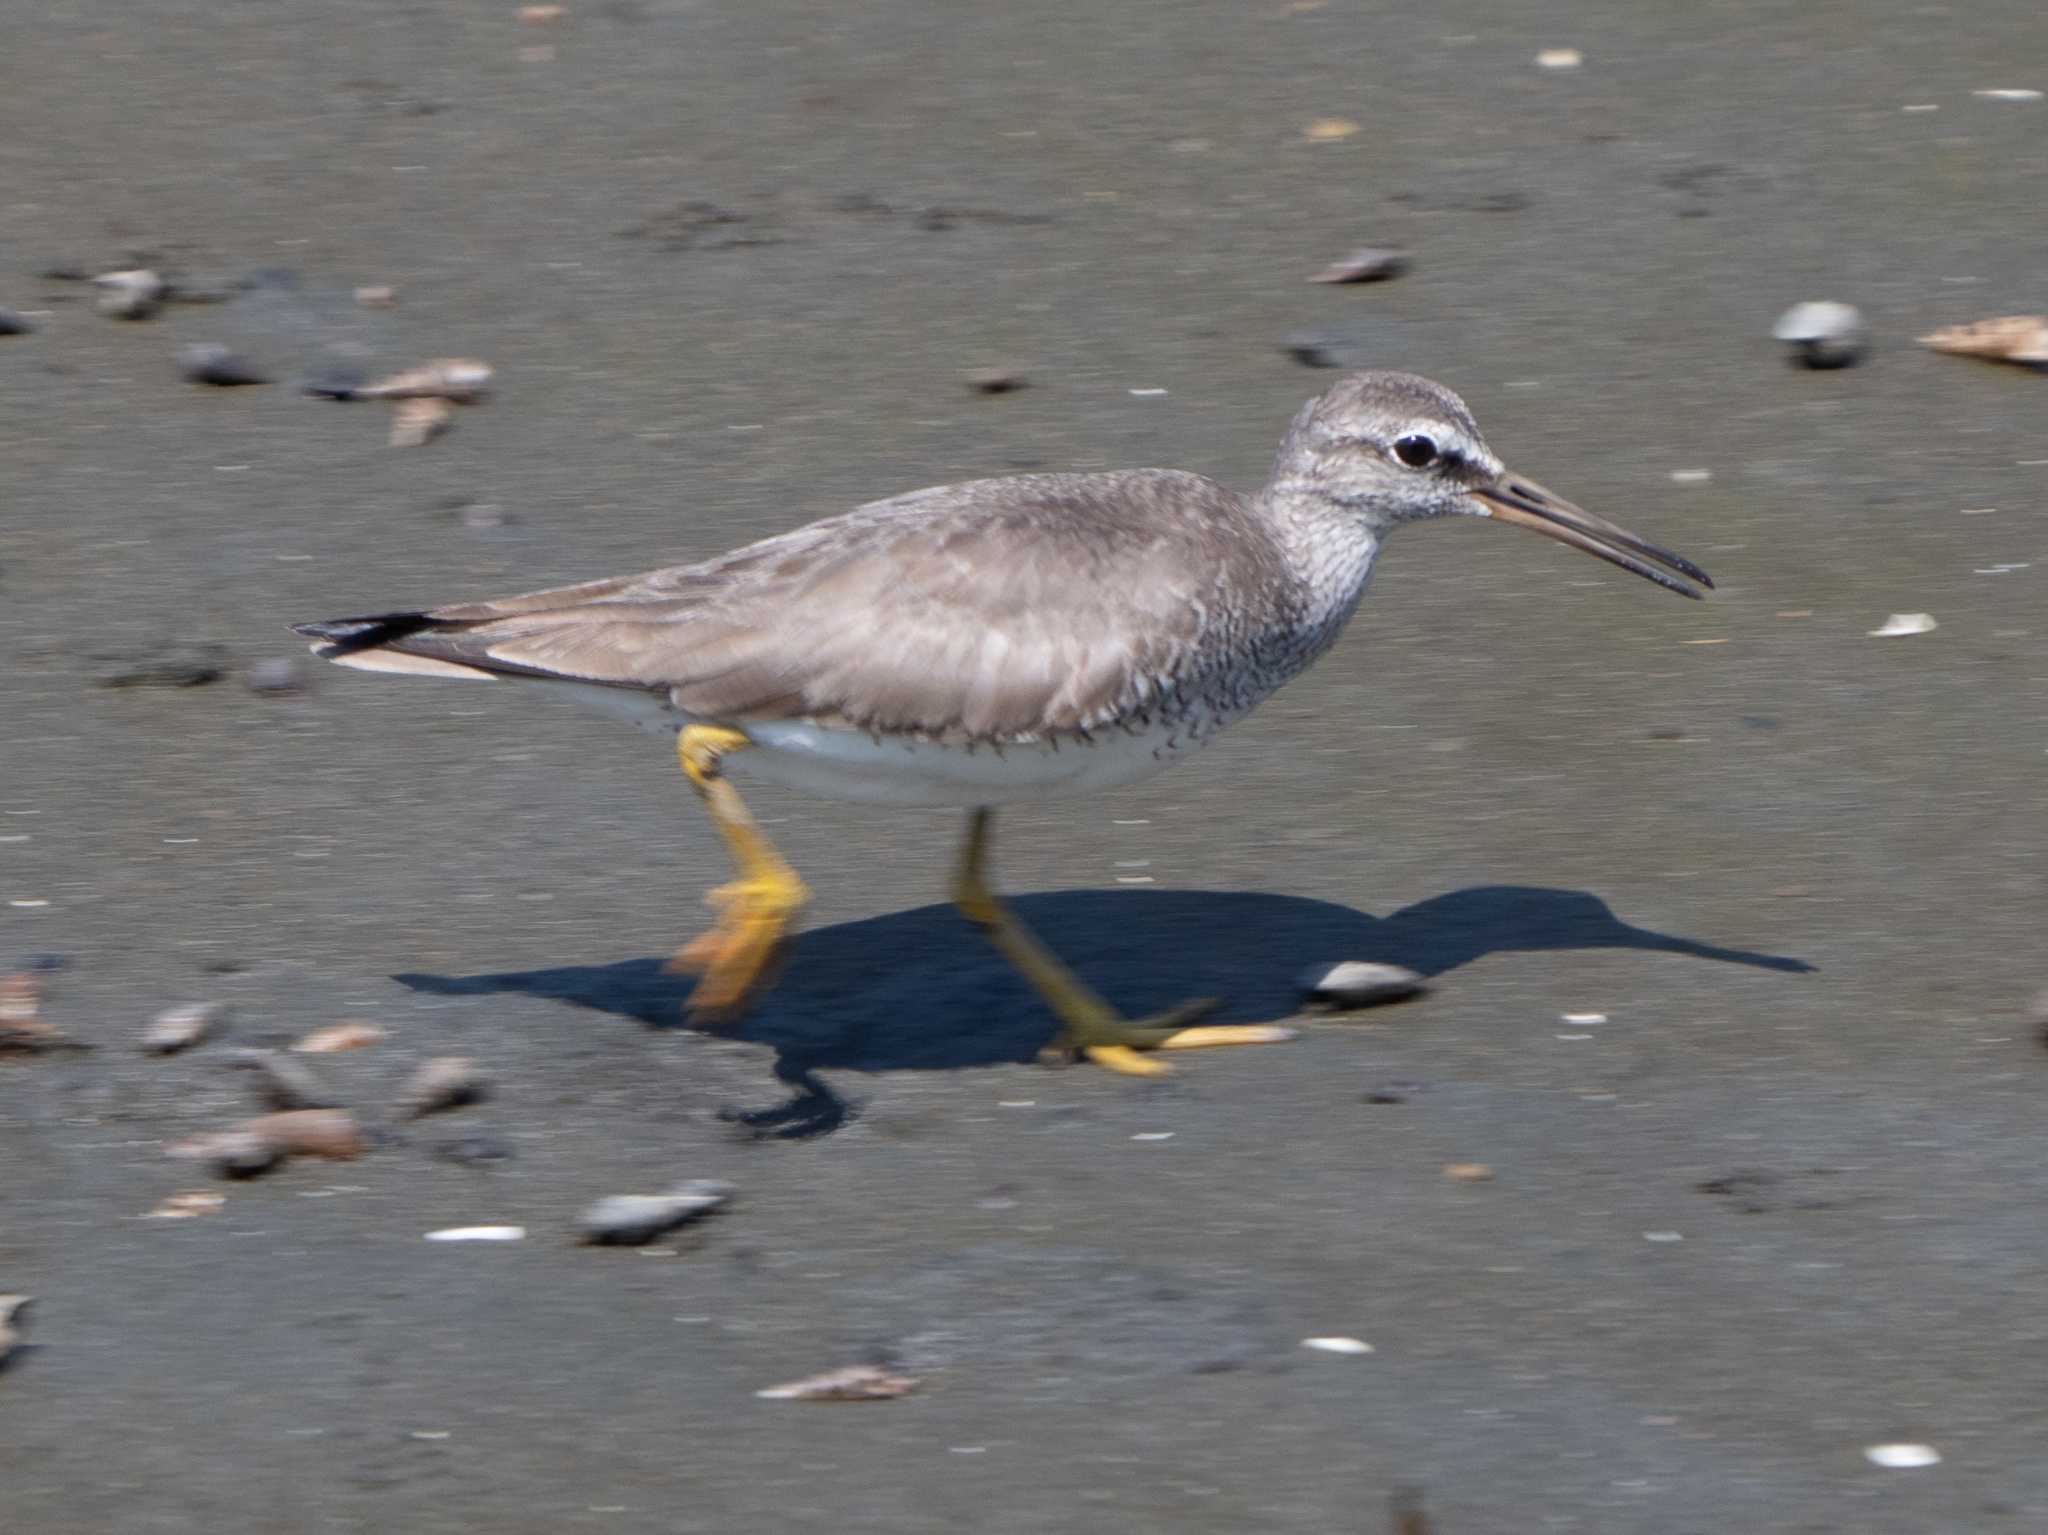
x: 1822, y: 333
x: 11, y: 1318
x: 1905, y: 623
x: 478, y: 1234
x: 1359, y: 983
x: 2020, y: 338
x: 2008, y: 94
x: 338, y: 1037
x: 180, y: 1028
x: 1560, y: 58
x: 858, y: 1383
x: 460, y: 380
x: 627, y: 1220
x: 1366, y: 264
x: 1338, y: 1345
x: 132, y: 295
x: 445, y: 1082
x: 184, y: 1206
x: 418, y: 422
x: 1902, y: 1457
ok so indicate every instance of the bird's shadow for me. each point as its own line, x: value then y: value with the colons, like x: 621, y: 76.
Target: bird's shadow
x: 918, y: 990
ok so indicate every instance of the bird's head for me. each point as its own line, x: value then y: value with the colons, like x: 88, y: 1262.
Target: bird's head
x: 1395, y: 448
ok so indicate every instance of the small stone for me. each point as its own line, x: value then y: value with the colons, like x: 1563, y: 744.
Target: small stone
x: 1560, y: 58
x: 13, y: 324
x: 180, y: 1028
x: 13, y: 1317
x: 21, y: 1000
x: 473, y: 1150
x: 352, y: 1035
x: 377, y: 297
x: 1997, y: 93
x: 1902, y: 1457
x: 134, y: 295
x: 331, y: 1133
x: 478, y: 1234
x: 1390, y: 1092
x: 1359, y: 983
x: 630, y: 1219
x: 445, y: 1082
x: 283, y: 675
x: 541, y: 13
x: 1822, y: 333
x: 1366, y: 264
x: 283, y: 1083
x: 175, y: 664
x: 995, y: 381
x: 1315, y: 349
x: 1904, y: 623
x: 859, y: 1383
x: 1468, y: 1172
x: 208, y: 362
x: 231, y: 1153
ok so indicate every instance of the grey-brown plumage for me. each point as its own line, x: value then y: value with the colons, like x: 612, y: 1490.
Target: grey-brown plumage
x: 1005, y: 610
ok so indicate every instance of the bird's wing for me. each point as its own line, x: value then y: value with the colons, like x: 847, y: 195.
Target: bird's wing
x: 999, y: 609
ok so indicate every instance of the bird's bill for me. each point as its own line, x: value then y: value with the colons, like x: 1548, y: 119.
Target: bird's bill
x: 1528, y: 505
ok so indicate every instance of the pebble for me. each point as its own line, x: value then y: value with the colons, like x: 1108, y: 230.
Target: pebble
x: 339, y: 1037
x: 630, y: 1219
x: 1468, y: 1172
x: 1904, y: 623
x: 180, y: 1028
x: 231, y: 1153
x: 1326, y: 130
x: 1315, y: 349
x: 2008, y: 94
x: 21, y: 1000
x: 1902, y: 1457
x: 996, y: 381
x: 13, y: 324
x: 2020, y: 338
x: 331, y: 1133
x: 445, y: 1082
x: 283, y: 1083
x: 473, y: 1150
x: 208, y: 362
x: 1822, y: 333
x: 1359, y: 983
x: 171, y: 665
x: 377, y: 297
x: 1560, y: 58
x: 858, y: 1383
x: 12, y: 1318
x: 277, y: 676
x: 134, y: 295
x: 478, y: 1234
x: 1366, y: 264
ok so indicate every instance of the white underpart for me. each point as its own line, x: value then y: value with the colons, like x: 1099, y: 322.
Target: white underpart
x: 854, y: 765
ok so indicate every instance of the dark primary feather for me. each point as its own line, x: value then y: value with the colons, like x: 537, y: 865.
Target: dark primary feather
x: 998, y: 609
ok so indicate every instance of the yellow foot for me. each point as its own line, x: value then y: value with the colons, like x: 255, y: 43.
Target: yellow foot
x: 1117, y: 1044
x: 730, y: 960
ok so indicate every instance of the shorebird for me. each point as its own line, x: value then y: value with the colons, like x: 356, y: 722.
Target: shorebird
x: 974, y: 645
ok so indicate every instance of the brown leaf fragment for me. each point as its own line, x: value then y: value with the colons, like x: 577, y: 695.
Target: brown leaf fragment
x: 311, y: 1132
x: 2021, y: 338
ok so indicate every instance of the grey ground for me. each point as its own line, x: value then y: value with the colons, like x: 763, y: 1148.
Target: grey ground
x: 1797, y: 868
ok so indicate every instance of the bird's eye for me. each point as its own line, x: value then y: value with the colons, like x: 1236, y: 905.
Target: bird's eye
x: 1416, y: 451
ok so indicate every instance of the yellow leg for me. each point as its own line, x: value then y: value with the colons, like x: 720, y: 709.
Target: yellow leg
x: 1088, y: 1024
x: 755, y: 910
